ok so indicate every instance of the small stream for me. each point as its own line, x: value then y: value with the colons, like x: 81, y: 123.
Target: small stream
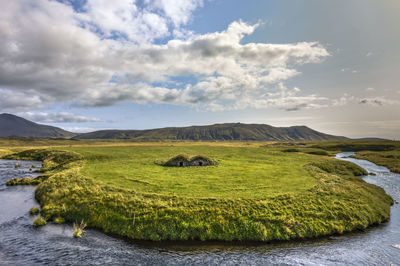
x: 22, y: 244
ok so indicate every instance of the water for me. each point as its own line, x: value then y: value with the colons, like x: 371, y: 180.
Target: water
x: 21, y: 244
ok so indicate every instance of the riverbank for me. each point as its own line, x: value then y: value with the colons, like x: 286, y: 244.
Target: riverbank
x: 389, y: 159
x: 338, y: 202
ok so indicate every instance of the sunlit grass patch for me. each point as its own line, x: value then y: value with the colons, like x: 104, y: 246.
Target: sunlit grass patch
x: 58, y: 220
x: 40, y: 221
x: 245, y: 172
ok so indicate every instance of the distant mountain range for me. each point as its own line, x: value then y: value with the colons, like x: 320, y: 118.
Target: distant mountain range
x: 228, y: 131
x: 14, y: 125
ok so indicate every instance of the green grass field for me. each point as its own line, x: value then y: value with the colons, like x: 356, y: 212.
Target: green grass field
x: 241, y: 172
x: 256, y: 191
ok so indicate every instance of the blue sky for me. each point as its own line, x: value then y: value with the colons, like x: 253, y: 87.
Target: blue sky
x: 88, y: 65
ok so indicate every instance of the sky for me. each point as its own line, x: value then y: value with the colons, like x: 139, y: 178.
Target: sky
x: 86, y: 65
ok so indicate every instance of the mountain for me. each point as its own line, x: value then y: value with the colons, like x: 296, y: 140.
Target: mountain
x: 372, y: 139
x: 11, y: 125
x: 14, y: 125
x: 228, y: 131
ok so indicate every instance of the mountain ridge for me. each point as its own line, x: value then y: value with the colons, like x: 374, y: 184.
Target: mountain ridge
x: 225, y: 131
x: 12, y: 125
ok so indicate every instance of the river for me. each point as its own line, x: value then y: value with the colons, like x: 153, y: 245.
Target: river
x: 22, y: 244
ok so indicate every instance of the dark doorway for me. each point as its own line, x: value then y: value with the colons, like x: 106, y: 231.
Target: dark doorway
x: 181, y: 164
x: 200, y: 163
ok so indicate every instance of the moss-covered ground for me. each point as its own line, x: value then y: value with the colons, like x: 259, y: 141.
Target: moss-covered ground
x: 257, y: 191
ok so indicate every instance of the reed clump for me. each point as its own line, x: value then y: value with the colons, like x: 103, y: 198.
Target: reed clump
x: 79, y: 229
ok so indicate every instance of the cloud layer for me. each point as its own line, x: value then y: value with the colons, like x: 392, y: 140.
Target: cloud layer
x: 370, y: 101
x: 61, y: 117
x: 103, y: 53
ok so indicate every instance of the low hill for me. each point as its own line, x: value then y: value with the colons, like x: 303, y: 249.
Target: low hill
x: 12, y: 125
x: 228, y: 131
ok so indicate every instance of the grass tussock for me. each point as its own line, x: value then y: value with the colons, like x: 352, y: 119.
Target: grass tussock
x: 40, y: 221
x: 79, y: 229
x: 58, y: 220
x: 25, y: 181
x: 34, y: 211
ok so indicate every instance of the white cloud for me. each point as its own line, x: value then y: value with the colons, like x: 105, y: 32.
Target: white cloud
x: 83, y: 129
x: 378, y: 101
x: 281, y: 98
x: 371, y: 101
x: 347, y: 69
x: 105, y: 54
x: 61, y: 117
x: 343, y: 100
x: 179, y: 11
x: 126, y: 19
x: 11, y: 101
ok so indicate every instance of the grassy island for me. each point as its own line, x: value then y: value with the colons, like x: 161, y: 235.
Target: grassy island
x: 255, y: 192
